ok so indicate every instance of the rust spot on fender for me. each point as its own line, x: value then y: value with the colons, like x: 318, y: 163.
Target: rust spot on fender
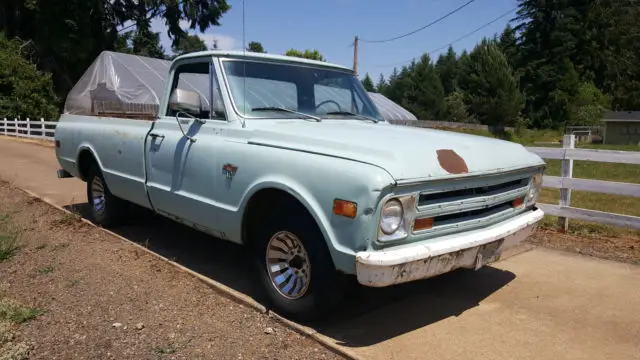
x: 452, y: 162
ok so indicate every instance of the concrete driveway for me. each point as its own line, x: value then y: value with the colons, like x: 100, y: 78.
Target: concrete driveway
x: 541, y: 304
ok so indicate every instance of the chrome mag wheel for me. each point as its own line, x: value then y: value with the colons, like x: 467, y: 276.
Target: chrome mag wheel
x: 97, y: 195
x: 288, y: 265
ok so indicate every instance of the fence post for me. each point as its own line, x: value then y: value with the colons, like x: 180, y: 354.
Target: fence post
x: 28, y: 128
x: 15, y: 127
x: 568, y: 142
x: 4, y: 125
x: 43, y: 134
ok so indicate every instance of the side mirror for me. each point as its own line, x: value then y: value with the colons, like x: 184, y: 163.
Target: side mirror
x: 185, y: 101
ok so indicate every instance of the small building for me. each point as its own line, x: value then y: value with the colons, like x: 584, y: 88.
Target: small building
x: 621, y: 128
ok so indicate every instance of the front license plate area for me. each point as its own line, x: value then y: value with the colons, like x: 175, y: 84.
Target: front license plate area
x: 488, y: 253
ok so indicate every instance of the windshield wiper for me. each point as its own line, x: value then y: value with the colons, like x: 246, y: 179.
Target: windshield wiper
x: 352, y: 114
x: 274, y: 108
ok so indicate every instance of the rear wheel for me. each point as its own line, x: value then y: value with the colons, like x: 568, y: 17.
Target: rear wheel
x: 106, y: 209
x: 295, y: 266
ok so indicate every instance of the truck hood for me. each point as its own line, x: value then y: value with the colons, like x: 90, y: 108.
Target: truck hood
x: 406, y: 153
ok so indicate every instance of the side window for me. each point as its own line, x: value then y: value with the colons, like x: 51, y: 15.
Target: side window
x: 196, y: 77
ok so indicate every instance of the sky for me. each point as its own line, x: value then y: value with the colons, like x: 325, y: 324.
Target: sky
x: 331, y: 25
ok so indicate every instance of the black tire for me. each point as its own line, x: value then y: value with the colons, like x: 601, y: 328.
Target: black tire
x: 112, y: 210
x: 325, y: 287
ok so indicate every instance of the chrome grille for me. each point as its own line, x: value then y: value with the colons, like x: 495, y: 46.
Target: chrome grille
x: 469, y: 207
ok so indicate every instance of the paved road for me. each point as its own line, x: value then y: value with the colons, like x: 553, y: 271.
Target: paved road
x: 541, y: 304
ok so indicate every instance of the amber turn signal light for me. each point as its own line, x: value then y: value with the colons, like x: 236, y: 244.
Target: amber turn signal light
x: 517, y: 203
x: 345, y: 208
x: 422, y: 224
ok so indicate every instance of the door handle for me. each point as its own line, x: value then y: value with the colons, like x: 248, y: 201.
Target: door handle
x: 154, y: 135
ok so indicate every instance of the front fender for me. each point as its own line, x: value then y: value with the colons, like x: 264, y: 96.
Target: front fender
x: 364, y: 184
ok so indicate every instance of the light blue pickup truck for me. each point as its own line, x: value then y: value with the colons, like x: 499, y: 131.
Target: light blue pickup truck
x: 291, y: 158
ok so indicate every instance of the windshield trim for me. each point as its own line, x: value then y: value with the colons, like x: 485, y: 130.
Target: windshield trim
x: 277, y: 62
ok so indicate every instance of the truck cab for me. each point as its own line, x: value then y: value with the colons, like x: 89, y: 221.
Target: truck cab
x: 291, y: 158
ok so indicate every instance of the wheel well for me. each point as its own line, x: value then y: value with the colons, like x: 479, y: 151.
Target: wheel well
x: 85, y: 161
x: 261, y: 203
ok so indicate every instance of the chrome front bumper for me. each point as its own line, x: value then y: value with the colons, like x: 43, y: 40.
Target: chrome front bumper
x: 472, y: 249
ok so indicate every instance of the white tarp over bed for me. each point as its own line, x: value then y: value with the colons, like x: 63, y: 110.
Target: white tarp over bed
x: 130, y: 84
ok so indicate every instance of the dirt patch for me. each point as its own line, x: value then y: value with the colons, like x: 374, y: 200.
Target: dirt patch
x: 99, y: 298
x: 625, y: 249
x: 42, y: 142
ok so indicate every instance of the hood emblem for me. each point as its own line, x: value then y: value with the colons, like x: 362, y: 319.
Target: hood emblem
x: 229, y: 170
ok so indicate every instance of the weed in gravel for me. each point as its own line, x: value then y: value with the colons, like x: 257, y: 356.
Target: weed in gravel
x: 170, y: 348
x: 10, y: 350
x: 73, y: 283
x: 60, y: 246
x: 45, y: 269
x: 67, y: 219
x: 17, y: 313
x: 8, y: 246
x: 18, y: 351
x: 6, y: 333
x: 8, y: 238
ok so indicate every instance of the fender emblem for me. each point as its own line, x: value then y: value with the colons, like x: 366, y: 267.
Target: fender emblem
x: 229, y: 170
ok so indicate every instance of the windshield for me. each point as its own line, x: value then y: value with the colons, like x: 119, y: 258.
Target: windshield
x: 258, y: 88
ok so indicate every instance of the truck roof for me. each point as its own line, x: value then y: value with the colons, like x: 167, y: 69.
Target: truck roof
x: 262, y: 56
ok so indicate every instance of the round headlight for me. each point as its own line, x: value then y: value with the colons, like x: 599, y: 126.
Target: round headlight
x: 391, y: 216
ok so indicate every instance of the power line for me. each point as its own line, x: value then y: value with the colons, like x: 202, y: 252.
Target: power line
x: 456, y: 40
x: 424, y: 27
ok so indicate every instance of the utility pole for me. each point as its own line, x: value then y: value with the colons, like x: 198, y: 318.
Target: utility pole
x: 355, y: 56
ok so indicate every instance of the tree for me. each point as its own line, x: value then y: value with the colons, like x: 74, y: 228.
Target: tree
x: 147, y: 43
x: 588, y: 106
x: 508, y: 44
x: 448, y: 70
x: 189, y: 43
x: 307, y: 54
x: 77, y: 31
x: 367, y: 83
x: 424, y: 95
x: 456, y: 109
x: 24, y: 91
x: 381, y: 85
x: 255, y: 46
x: 491, y: 89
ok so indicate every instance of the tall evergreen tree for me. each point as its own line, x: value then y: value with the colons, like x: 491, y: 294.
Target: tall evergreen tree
x: 448, y: 70
x: 490, y: 86
x: 508, y: 43
x: 367, y: 83
x: 424, y: 95
x: 381, y: 85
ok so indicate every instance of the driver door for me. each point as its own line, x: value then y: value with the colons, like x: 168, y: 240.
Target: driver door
x: 182, y: 147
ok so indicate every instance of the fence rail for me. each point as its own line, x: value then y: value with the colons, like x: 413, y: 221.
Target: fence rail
x: 34, y: 129
x: 566, y: 182
x: 40, y: 129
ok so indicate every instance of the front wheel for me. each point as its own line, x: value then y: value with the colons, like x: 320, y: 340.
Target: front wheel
x: 106, y: 209
x: 295, y: 267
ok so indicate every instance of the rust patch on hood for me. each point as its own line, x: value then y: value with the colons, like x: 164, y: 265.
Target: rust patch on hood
x: 452, y: 162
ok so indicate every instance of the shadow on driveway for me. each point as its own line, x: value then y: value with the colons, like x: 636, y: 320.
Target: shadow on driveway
x: 367, y: 317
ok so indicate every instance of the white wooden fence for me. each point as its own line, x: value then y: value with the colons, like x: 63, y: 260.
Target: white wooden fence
x: 566, y: 182
x: 41, y: 129
x: 29, y: 128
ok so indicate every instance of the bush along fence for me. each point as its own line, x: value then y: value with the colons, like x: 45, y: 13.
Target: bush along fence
x: 40, y: 129
x: 29, y: 128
